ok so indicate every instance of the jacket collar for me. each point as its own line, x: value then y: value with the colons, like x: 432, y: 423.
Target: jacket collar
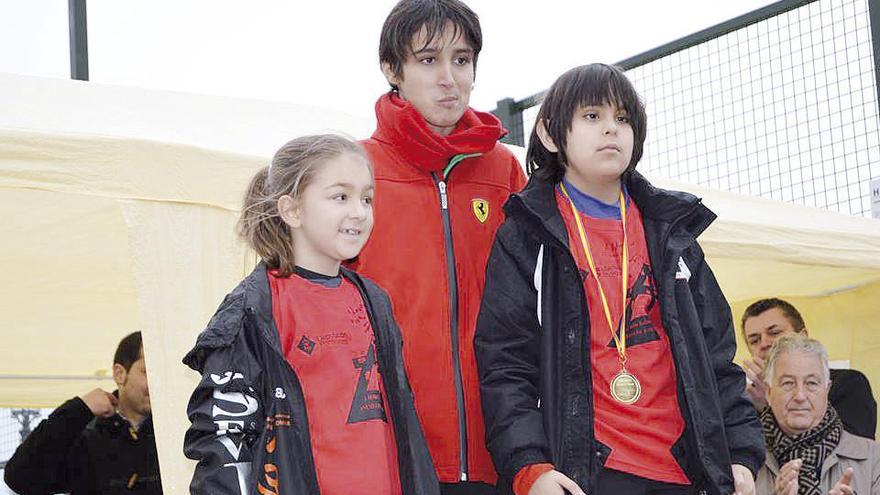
x: 258, y: 302
x: 668, y: 209
x: 400, y: 125
x: 118, y: 423
x: 851, y: 448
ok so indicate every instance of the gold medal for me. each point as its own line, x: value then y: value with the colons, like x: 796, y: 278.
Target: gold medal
x: 625, y: 387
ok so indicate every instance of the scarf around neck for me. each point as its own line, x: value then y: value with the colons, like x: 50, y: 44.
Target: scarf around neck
x: 812, y: 446
x: 399, y: 124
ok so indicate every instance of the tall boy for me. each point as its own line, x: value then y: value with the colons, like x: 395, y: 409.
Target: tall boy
x: 441, y: 180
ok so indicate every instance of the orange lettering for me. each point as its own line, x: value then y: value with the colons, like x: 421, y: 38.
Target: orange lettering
x: 270, y: 469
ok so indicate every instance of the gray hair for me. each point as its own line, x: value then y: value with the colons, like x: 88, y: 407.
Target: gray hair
x: 796, y: 343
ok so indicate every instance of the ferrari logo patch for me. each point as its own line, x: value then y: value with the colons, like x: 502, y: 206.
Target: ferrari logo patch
x: 481, y: 209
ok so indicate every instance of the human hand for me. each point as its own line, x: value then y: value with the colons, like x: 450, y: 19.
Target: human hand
x: 755, y: 385
x: 553, y: 483
x: 844, y: 484
x: 787, y: 481
x: 100, y: 402
x: 743, y: 481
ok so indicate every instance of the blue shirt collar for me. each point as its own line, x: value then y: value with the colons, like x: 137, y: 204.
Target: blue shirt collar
x: 593, y: 207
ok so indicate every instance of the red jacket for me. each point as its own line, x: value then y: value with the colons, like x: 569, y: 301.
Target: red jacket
x: 437, y: 208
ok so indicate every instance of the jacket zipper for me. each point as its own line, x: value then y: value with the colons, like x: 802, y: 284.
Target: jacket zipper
x: 453, y: 325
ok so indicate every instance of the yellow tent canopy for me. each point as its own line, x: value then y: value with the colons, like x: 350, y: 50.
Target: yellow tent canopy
x: 119, y: 206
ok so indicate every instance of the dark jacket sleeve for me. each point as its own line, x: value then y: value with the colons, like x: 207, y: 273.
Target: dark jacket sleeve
x: 851, y: 396
x: 424, y: 479
x: 225, y: 409
x: 45, y: 462
x: 507, y: 346
x: 745, y: 436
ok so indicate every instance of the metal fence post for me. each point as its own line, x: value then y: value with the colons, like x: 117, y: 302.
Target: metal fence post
x: 874, y: 14
x: 511, y: 118
x: 79, y: 40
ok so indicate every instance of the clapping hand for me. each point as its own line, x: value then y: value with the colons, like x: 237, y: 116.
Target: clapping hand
x: 844, y: 484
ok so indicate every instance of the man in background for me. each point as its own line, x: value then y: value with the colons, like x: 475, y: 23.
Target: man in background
x: 99, y: 443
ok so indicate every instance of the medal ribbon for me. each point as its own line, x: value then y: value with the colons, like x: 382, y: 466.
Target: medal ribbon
x: 619, y: 341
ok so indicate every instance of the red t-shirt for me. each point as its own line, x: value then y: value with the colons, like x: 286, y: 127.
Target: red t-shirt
x: 640, y: 434
x: 327, y: 338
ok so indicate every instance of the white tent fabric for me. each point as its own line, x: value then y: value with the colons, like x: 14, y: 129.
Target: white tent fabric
x: 119, y: 206
x: 118, y: 209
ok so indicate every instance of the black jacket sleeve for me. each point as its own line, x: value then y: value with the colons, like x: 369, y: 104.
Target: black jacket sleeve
x: 743, y: 430
x: 507, y: 346
x: 851, y: 396
x: 225, y: 409
x: 48, y: 458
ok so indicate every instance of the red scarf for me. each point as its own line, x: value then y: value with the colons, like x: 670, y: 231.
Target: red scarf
x: 402, y: 126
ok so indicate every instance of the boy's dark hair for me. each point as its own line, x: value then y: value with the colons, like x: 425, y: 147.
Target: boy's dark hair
x: 587, y: 85
x: 129, y: 350
x: 409, y: 16
x: 788, y: 310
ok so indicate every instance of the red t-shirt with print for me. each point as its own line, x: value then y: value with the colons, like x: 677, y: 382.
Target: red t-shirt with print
x: 640, y: 434
x: 327, y: 338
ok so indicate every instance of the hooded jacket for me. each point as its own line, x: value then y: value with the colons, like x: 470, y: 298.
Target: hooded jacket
x: 532, y: 344
x: 438, y: 204
x: 75, y: 452
x: 250, y: 432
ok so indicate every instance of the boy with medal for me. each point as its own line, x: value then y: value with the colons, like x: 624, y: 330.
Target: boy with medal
x: 604, y: 344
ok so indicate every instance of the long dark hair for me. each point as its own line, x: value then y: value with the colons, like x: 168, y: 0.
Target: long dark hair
x: 587, y: 85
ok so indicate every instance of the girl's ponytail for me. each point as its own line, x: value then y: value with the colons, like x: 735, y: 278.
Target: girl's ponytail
x: 261, y: 226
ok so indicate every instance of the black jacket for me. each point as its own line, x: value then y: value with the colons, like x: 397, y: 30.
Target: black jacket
x: 851, y: 396
x: 249, y: 419
x: 534, y: 373
x: 74, y: 452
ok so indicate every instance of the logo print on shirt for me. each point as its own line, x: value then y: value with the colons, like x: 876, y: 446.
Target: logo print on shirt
x: 357, y: 315
x: 367, y: 402
x: 480, y: 208
x: 640, y: 329
x: 306, y: 345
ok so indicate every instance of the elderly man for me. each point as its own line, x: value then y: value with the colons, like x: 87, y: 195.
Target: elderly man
x: 766, y: 320
x: 808, y: 451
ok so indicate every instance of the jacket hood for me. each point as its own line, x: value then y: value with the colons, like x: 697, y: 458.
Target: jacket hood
x: 400, y: 125
x: 537, y: 201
